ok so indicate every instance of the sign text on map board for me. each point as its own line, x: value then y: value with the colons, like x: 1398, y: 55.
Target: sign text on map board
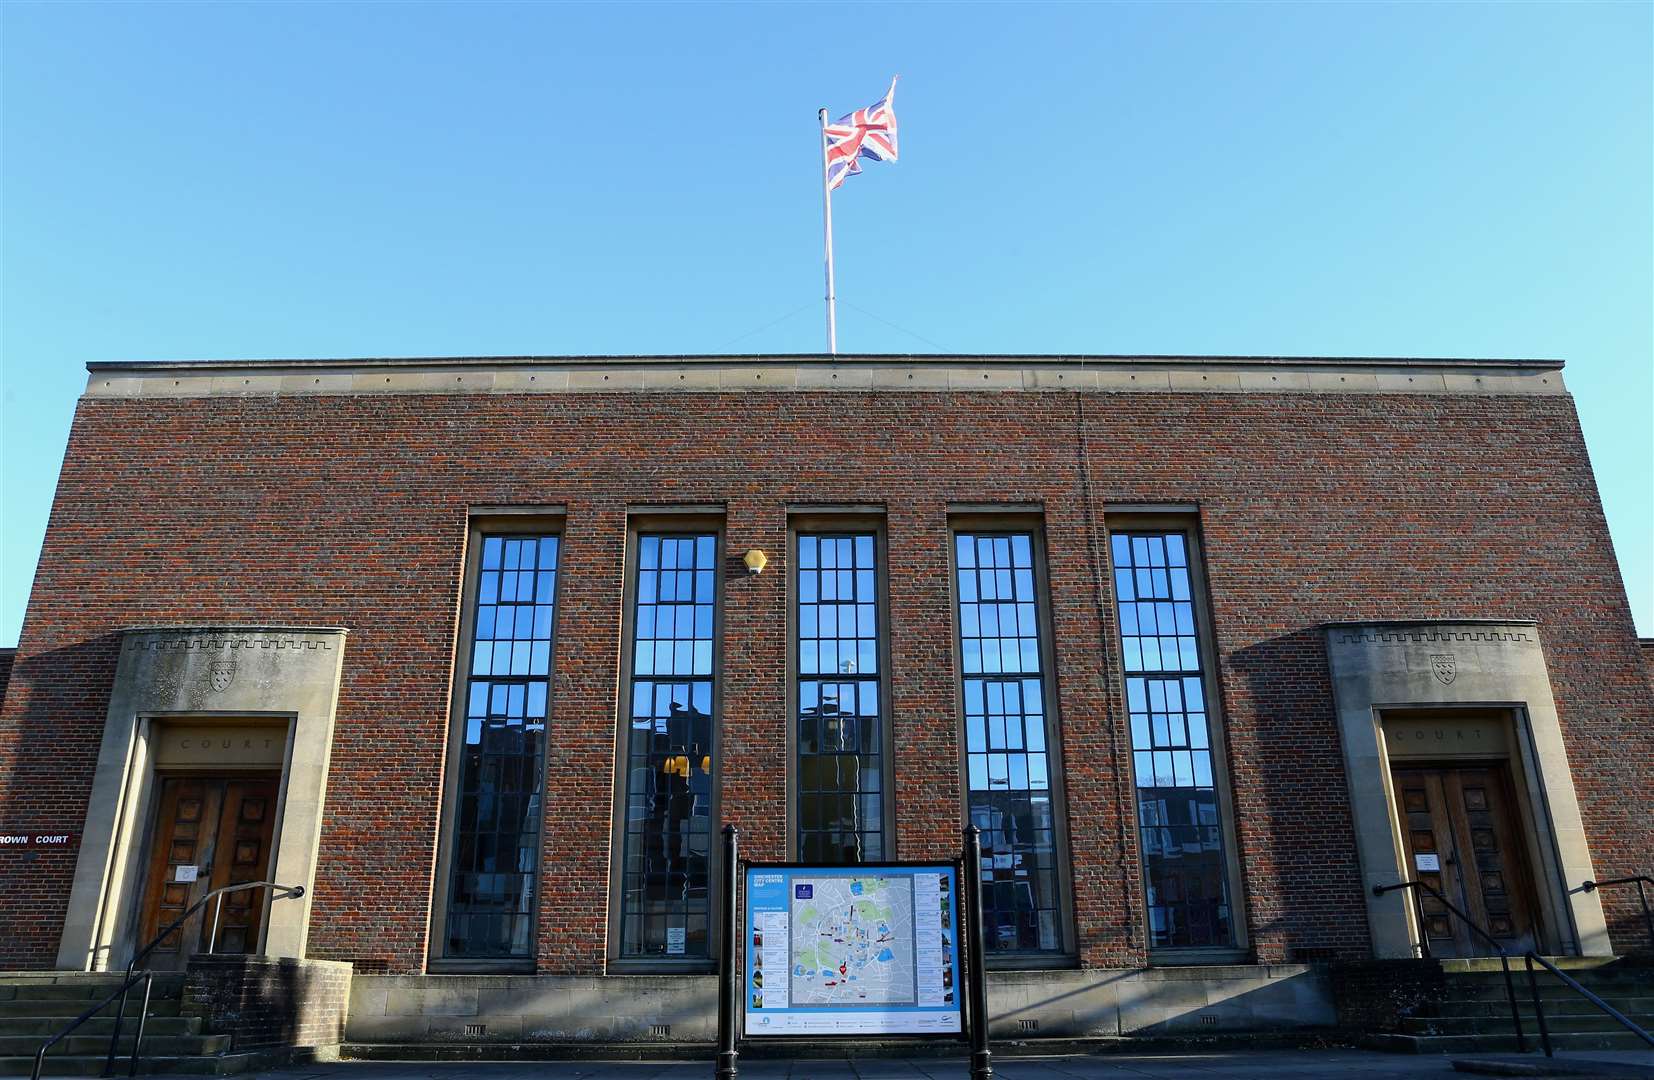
x: 870, y: 949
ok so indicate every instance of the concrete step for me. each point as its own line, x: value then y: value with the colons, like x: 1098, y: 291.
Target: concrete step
x: 1571, y: 1004
x: 215, y: 1065
x: 1573, y: 965
x: 69, y: 1009
x: 78, y: 978
x: 90, y: 1045
x: 47, y: 1026
x: 1548, y: 988
x: 1578, y: 967
x: 814, y: 1049
x: 1630, y: 981
x: 1478, y: 1025
x: 1484, y: 1044
x: 88, y: 990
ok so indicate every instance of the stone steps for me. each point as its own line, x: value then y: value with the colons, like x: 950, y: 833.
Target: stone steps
x: 1473, y: 1014
x: 89, y: 990
x: 36, y: 1006
x: 1482, y: 988
x: 69, y: 1009
x: 1573, y: 1003
x: 44, y: 1027
x: 91, y: 1066
x: 1575, y: 966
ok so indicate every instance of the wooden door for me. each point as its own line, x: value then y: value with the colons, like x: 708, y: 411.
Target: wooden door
x: 210, y: 832
x: 1462, y: 838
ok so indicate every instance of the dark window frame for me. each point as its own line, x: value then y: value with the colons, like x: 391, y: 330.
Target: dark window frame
x: 675, y: 522
x: 817, y: 521
x: 482, y: 524
x: 992, y: 520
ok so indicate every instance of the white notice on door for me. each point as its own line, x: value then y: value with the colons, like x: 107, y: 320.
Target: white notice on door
x: 185, y: 873
x: 1428, y: 862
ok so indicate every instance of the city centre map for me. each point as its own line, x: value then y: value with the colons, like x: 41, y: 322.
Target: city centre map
x: 869, y: 949
x: 852, y: 941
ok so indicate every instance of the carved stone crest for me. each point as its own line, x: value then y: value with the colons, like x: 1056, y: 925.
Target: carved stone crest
x: 223, y: 674
x: 1445, y: 666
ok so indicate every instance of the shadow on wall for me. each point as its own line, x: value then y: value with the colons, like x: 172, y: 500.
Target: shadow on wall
x: 1160, y: 1001
x: 51, y: 728
x: 1292, y: 803
x: 683, y: 1009
x: 270, y: 1003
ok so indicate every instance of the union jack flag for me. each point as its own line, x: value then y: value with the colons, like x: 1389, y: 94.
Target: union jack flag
x: 865, y: 133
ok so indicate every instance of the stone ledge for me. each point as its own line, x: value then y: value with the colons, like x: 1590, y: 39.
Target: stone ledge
x: 865, y: 374
x: 472, y: 1009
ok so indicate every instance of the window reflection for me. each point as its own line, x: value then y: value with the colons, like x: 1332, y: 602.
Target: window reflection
x: 496, y: 839
x: 1008, y: 771
x: 840, y: 734
x: 1177, y: 808
x: 664, y: 899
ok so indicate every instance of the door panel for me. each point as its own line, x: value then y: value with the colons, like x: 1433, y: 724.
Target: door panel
x: 1461, y: 838
x: 186, y: 831
x: 244, y: 833
x: 209, y: 832
x: 1493, y: 860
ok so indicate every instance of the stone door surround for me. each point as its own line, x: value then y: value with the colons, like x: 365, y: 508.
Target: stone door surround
x: 1475, y: 665
x: 215, y: 677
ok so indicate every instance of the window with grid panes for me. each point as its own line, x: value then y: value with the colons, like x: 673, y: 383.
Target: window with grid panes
x: 665, y: 909
x: 840, y: 727
x: 1185, y: 874
x: 1007, y: 738
x: 495, y: 855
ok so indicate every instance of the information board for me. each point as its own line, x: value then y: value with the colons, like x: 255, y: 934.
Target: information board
x: 870, y: 949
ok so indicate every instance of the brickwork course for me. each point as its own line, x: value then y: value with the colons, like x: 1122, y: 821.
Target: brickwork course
x: 351, y: 510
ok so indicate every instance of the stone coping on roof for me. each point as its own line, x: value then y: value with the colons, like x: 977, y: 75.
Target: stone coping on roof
x: 814, y: 372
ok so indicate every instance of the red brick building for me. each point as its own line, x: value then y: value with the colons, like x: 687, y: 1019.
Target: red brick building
x: 1207, y: 646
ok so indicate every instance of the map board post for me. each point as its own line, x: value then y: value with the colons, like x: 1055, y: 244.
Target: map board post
x: 869, y: 949
x: 729, y: 971
x: 981, y: 1060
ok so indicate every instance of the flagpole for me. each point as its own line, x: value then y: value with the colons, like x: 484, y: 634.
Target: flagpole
x: 827, y: 232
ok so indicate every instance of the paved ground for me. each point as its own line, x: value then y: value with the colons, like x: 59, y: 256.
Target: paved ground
x: 1244, y: 1065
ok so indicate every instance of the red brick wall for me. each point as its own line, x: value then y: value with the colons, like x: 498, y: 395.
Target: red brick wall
x: 351, y: 511
x: 267, y: 1003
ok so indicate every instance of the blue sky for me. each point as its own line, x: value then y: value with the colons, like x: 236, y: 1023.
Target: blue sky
x: 245, y: 180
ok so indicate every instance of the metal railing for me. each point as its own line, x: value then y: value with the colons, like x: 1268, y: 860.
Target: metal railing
x: 133, y: 975
x: 1531, y: 958
x: 148, y: 979
x: 1418, y: 887
x: 1639, y: 880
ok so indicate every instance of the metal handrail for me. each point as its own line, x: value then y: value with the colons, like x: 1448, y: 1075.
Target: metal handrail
x: 287, y: 892
x: 1572, y: 984
x: 1639, y: 880
x: 1424, y: 944
x: 148, y: 978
